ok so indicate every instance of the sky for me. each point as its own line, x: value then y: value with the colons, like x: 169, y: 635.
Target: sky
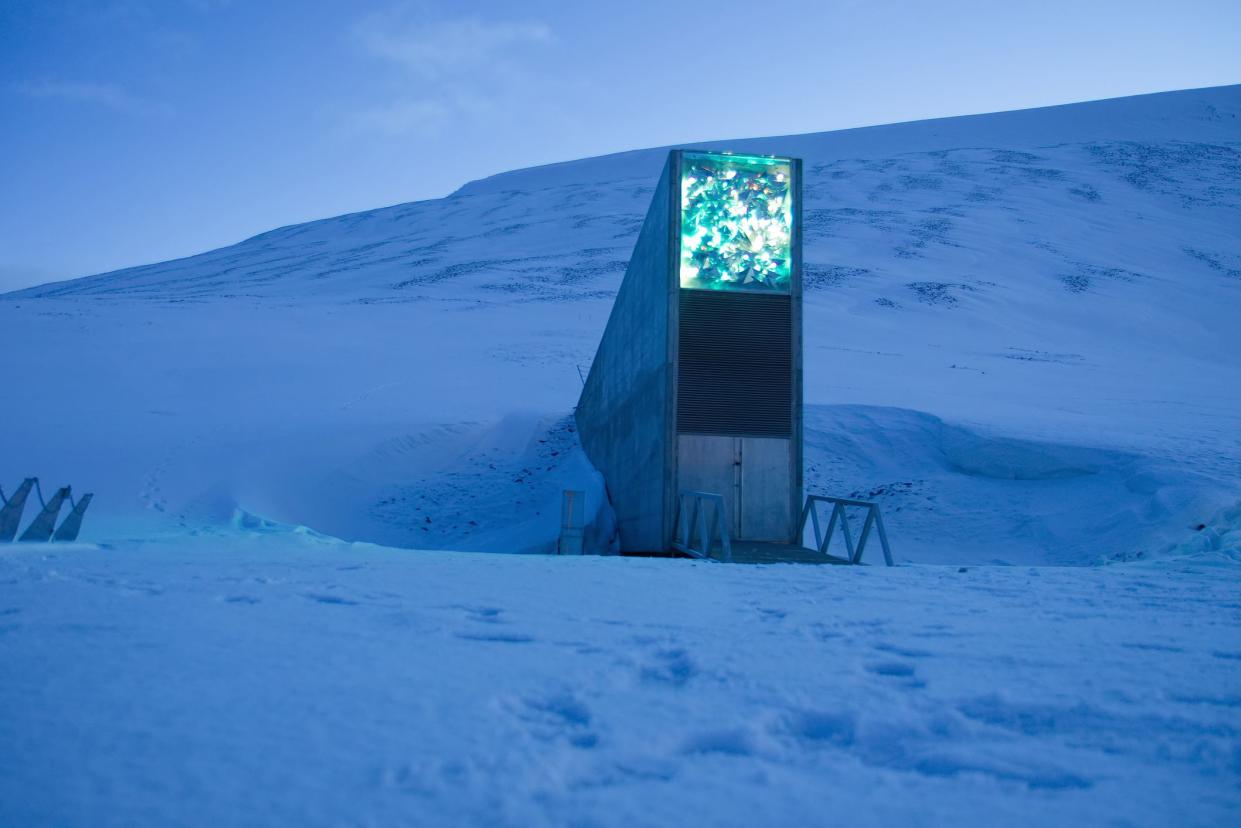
x: 136, y: 131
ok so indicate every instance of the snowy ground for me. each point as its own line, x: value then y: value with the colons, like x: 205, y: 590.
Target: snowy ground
x: 290, y: 679
x: 1021, y: 340
x: 1020, y: 333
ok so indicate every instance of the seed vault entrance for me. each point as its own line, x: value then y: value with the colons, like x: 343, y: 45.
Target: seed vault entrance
x: 697, y: 382
x: 752, y: 474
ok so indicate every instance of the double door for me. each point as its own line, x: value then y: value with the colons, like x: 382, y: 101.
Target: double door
x: 753, y: 474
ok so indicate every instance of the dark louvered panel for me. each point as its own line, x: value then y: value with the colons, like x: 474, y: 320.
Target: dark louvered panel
x: 736, y: 364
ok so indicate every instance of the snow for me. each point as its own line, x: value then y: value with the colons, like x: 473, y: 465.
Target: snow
x: 1066, y: 278
x: 1021, y: 341
x: 276, y: 677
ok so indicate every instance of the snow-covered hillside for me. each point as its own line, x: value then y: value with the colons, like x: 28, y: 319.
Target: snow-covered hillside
x: 1021, y: 339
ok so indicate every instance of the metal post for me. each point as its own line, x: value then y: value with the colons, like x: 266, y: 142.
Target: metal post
x: 831, y: 529
x: 883, y: 538
x: 41, y: 528
x: 725, y: 541
x: 870, y: 521
x: 844, y: 525
x: 11, y: 514
x: 812, y: 507
x: 571, y: 522
x: 72, y: 524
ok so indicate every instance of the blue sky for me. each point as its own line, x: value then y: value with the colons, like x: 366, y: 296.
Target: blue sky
x: 142, y: 130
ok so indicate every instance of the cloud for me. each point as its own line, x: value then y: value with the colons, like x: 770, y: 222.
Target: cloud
x: 436, y: 50
x: 107, y: 95
x: 447, y: 70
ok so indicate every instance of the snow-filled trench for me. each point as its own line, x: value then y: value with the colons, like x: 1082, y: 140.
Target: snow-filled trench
x: 429, y: 427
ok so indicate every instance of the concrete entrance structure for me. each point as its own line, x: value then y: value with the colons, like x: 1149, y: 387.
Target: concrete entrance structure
x: 697, y: 383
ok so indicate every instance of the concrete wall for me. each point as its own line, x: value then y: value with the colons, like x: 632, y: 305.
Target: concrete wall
x: 773, y: 473
x: 625, y: 412
x: 626, y: 415
x: 797, y: 448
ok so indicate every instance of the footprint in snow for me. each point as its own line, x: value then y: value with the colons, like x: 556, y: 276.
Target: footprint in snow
x: 898, y: 670
x: 729, y: 742
x: 905, y: 652
x: 330, y: 599
x: 895, y: 669
x: 496, y: 637
x: 559, y: 715
x: 485, y: 615
x: 1146, y: 645
x: 672, y: 667
x: 820, y: 727
x: 1035, y: 776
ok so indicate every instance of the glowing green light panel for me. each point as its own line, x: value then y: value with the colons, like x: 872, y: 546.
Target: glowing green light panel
x: 736, y: 222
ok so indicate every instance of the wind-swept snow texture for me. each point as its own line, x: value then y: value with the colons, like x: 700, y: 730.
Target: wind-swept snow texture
x: 288, y: 679
x: 1021, y: 339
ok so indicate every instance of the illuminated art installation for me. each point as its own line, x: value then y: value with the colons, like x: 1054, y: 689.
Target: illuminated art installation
x: 736, y: 222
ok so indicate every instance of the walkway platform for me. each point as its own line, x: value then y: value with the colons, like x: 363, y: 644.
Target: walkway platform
x: 754, y: 552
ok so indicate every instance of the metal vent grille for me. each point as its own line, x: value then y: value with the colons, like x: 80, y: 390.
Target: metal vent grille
x: 735, y: 374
